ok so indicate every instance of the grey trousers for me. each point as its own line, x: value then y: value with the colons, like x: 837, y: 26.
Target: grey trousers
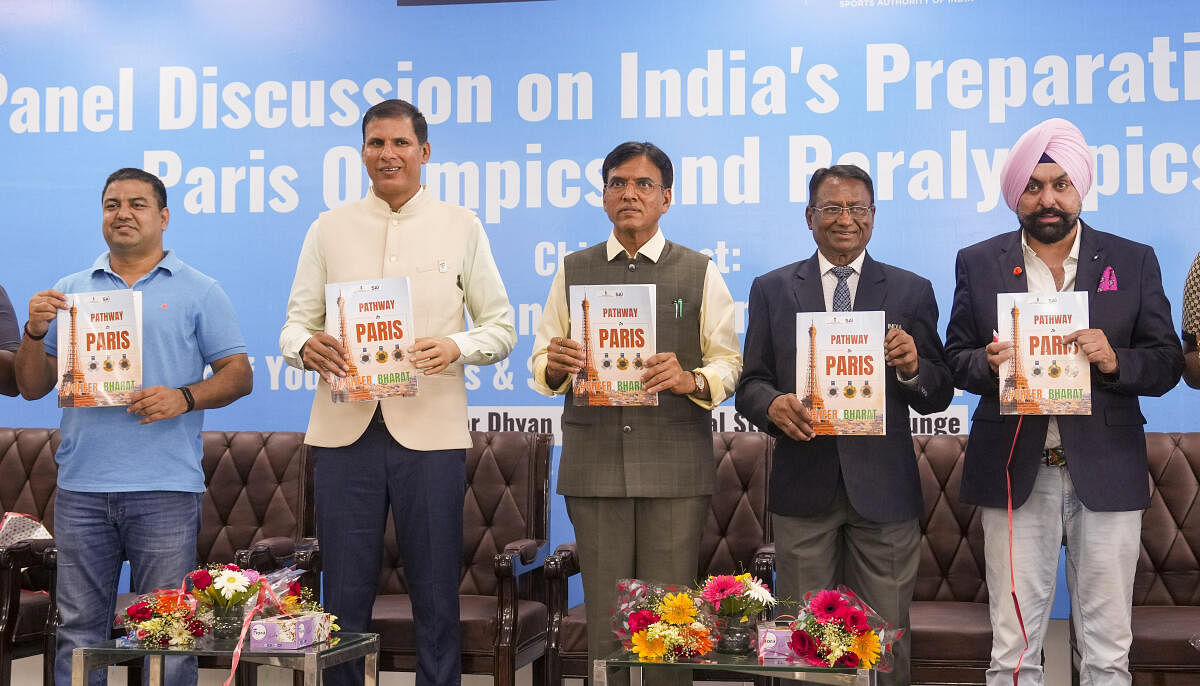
x: 653, y: 539
x: 878, y: 561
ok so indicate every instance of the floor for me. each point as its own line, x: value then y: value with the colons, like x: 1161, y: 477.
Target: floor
x: 27, y: 672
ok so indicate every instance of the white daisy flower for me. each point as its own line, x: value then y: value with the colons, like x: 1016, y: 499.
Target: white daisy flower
x: 229, y: 583
x: 759, y: 592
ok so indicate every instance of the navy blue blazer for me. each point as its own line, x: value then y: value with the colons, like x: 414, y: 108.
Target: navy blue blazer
x: 1106, y: 451
x: 880, y: 472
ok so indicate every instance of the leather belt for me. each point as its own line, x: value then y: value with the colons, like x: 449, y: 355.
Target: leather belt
x: 1054, y: 457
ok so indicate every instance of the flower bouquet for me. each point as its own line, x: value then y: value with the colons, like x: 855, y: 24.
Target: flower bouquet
x: 661, y: 623
x: 224, y: 590
x: 835, y: 628
x: 736, y: 600
x: 163, y: 618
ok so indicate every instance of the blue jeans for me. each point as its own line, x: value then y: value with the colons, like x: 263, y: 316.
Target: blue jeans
x: 94, y: 532
x: 1102, y: 555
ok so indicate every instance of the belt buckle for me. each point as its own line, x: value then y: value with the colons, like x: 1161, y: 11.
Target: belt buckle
x: 1054, y: 457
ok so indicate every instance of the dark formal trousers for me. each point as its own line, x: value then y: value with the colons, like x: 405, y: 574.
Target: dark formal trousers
x: 653, y: 539
x: 878, y: 561
x: 355, y: 486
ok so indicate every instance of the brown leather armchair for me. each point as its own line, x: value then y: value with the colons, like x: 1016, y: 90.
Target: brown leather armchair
x: 1166, y: 585
x: 505, y: 527
x: 735, y: 540
x: 950, y: 630
x: 28, y: 483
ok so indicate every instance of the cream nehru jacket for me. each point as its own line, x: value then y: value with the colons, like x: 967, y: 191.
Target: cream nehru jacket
x: 425, y: 240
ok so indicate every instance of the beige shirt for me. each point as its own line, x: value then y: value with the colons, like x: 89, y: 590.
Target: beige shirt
x: 445, y: 254
x: 721, y: 354
x: 490, y: 339
x: 1039, y: 279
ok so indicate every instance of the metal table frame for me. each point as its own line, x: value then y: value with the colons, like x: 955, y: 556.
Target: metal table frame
x: 743, y: 665
x: 309, y: 660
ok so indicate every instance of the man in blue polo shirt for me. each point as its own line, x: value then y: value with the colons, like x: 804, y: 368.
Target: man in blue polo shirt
x: 129, y: 478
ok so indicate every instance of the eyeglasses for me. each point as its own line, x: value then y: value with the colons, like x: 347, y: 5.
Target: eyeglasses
x: 835, y: 211
x: 644, y: 186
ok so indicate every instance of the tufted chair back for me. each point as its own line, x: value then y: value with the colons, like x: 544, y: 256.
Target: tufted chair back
x: 1168, y: 571
x: 738, y: 524
x: 507, y: 499
x: 952, y: 564
x: 259, y: 486
x: 28, y: 473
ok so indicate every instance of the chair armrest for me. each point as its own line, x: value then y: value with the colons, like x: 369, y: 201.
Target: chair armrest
x: 764, y: 565
x: 267, y: 555
x: 526, y: 548
x: 519, y: 557
x: 563, y: 562
x: 24, y: 561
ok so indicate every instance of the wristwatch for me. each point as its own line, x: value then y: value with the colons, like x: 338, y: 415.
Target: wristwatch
x: 701, y: 383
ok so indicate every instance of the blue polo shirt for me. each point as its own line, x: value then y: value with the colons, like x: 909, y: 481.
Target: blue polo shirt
x: 187, y: 323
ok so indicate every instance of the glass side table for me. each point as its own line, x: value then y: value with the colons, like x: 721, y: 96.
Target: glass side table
x: 310, y: 660
x: 740, y: 664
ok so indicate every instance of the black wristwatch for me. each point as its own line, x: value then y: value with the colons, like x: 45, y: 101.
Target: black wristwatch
x: 31, y: 336
x: 187, y: 395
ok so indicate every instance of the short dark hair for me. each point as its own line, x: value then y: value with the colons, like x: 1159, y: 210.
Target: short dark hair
x: 629, y: 150
x: 841, y: 171
x: 398, y: 109
x: 134, y: 174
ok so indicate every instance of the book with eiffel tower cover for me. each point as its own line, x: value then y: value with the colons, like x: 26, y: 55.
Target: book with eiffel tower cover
x: 1044, y: 375
x: 839, y: 371
x: 100, y: 348
x: 615, y: 325
x: 373, y: 320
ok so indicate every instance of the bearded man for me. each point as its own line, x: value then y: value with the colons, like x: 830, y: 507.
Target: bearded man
x: 1081, y: 479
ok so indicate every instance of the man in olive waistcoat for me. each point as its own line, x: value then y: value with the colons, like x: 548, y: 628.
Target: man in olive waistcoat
x: 637, y: 479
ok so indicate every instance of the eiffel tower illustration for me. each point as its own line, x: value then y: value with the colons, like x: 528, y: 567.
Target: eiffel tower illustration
x: 1014, y: 393
x: 73, y: 391
x: 589, y: 373
x: 353, y: 388
x: 812, y: 393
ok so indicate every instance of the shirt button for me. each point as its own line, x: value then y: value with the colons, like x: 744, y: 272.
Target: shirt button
x: 632, y: 267
x: 393, y: 258
x: 627, y: 428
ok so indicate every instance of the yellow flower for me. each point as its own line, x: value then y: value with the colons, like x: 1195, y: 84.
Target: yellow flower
x: 647, y: 648
x: 866, y: 647
x: 677, y: 608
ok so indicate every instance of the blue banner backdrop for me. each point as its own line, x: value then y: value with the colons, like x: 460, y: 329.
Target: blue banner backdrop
x: 250, y: 112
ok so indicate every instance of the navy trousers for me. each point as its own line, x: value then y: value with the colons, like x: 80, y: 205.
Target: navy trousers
x: 355, y: 486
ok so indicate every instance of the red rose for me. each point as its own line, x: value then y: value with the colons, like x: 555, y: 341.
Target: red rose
x: 848, y: 660
x: 201, y: 579
x: 294, y: 588
x: 802, y: 644
x: 139, y: 612
x: 195, y: 627
x: 233, y: 568
x: 853, y: 619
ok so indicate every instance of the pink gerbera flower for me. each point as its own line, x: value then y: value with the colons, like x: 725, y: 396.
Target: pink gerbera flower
x: 825, y: 605
x: 721, y: 587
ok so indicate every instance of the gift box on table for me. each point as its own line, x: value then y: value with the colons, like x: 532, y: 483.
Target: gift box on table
x: 286, y: 632
x: 773, y: 637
